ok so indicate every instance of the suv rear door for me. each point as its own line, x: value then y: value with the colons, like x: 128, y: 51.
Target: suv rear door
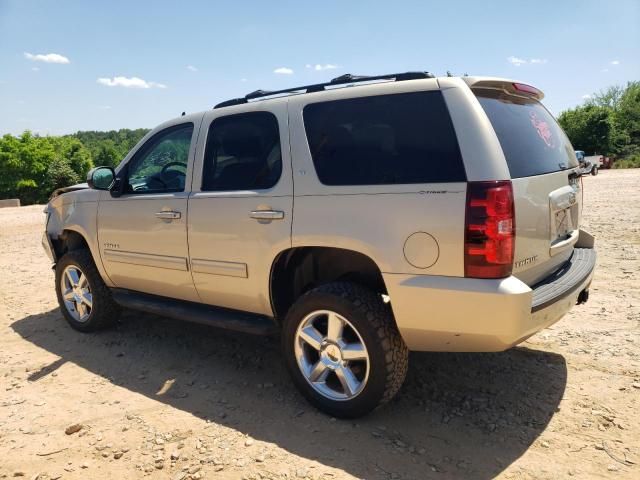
x: 541, y: 163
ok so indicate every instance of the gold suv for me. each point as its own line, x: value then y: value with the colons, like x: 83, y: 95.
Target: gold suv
x: 406, y: 212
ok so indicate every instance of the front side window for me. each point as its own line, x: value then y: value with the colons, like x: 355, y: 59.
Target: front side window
x: 242, y: 153
x: 161, y: 164
x: 381, y: 140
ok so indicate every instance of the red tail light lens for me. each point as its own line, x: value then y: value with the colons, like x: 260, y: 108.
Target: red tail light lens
x: 528, y: 89
x: 489, y: 230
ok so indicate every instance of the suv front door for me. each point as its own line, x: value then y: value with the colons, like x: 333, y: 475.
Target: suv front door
x: 143, y: 232
x: 241, y: 205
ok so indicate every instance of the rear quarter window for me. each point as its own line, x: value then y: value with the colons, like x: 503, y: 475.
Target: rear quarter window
x: 532, y: 141
x: 404, y: 138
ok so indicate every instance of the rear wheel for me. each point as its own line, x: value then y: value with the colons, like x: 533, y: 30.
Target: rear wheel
x: 343, y: 350
x: 85, y: 300
x: 594, y: 171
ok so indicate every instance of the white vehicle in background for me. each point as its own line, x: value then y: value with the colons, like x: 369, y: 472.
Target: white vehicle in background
x: 589, y: 164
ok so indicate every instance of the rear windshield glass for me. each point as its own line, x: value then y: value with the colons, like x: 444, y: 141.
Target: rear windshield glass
x: 532, y: 141
x: 380, y: 140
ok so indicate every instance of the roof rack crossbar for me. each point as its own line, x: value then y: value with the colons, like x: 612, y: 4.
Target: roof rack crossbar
x: 318, y: 87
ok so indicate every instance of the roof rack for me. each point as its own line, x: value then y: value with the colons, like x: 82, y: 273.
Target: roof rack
x: 318, y: 87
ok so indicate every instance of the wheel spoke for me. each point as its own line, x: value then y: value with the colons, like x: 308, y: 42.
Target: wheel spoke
x: 335, y: 325
x: 354, y: 351
x: 83, y: 282
x: 72, y: 276
x: 87, y: 299
x: 312, y: 337
x: 68, y: 296
x: 319, y: 372
x: 82, y: 309
x: 348, y: 380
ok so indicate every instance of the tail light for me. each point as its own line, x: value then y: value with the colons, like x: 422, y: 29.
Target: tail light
x: 489, y: 230
x: 527, y: 89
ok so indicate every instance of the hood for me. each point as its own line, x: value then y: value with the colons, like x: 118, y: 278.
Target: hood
x: 72, y: 188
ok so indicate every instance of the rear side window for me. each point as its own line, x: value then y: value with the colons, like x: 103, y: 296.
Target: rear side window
x: 242, y: 153
x: 381, y: 140
x: 532, y: 141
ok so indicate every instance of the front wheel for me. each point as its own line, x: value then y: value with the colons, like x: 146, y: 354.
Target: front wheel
x: 594, y: 171
x: 85, y: 300
x: 343, y: 349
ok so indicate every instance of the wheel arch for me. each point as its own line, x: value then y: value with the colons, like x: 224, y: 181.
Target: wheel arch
x: 296, y: 270
x: 68, y: 240
x: 73, y: 238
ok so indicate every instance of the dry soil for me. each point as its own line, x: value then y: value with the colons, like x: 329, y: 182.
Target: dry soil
x: 162, y: 399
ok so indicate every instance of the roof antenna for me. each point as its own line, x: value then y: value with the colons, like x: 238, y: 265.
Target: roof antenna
x: 182, y: 114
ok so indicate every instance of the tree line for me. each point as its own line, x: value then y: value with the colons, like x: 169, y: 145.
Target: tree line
x: 32, y: 166
x: 608, y: 123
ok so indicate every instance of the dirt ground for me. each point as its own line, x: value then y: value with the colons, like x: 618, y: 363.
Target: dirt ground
x: 163, y: 399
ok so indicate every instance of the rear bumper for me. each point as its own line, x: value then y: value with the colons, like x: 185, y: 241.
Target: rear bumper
x: 436, y: 313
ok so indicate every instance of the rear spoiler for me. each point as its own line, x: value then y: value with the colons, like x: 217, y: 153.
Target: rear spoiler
x: 512, y: 87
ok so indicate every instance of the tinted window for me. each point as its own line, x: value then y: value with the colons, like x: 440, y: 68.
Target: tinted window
x: 242, y: 153
x: 387, y: 139
x: 161, y: 163
x: 532, y: 141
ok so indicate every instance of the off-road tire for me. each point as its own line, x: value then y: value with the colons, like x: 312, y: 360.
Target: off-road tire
x: 105, y: 311
x: 388, y: 354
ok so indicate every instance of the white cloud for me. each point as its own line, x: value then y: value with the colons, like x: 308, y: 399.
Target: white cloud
x: 605, y: 69
x: 192, y: 68
x: 318, y: 67
x: 35, y: 69
x: 104, y: 107
x: 132, y: 82
x: 47, y: 58
x: 243, y: 79
x: 517, y: 61
x: 615, y: 62
x: 586, y: 96
x: 283, y: 71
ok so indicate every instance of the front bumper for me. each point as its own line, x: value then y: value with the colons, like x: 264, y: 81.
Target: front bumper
x: 454, y: 314
x: 48, y: 247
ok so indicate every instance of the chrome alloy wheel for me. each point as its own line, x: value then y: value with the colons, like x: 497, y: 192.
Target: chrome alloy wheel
x: 76, y: 293
x: 331, y: 355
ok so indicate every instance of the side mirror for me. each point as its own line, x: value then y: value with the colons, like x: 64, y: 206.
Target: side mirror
x: 101, y: 178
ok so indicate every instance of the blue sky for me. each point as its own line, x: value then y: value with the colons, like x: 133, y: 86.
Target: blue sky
x: 135, y: 64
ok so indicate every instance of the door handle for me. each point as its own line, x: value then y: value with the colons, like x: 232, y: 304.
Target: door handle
x: 168, y: 215
x: 267, y: 214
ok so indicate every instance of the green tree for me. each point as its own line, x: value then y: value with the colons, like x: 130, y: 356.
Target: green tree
x: 627, y: 119
x: 107, y: 154
x: 609, y: 97
x: 589, y: 128
x: 60, y: 174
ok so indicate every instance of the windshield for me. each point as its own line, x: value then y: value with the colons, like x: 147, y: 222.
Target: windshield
x: 532, y: 141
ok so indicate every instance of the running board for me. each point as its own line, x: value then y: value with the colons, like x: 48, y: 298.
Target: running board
x: 195, y: 312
